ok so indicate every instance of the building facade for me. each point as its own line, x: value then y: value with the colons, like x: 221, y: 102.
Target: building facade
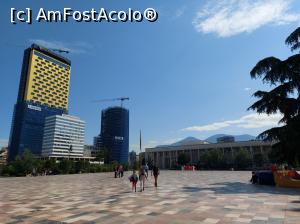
x: 114, y: 135
x: 63, y: 137
x: 43, y: 92
x: 165, y: 157
x: 3, y: 156
x: 87, y: 150
x: 226, y: 138
x: 132, y: 157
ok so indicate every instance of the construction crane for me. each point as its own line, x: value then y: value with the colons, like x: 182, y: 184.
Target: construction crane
x: 60, y: 50
x: 113, y: 99
x: 52, y: 49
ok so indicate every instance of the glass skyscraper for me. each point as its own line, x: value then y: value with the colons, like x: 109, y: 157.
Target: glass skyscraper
x: 43, y: 91
x: 114, y: 135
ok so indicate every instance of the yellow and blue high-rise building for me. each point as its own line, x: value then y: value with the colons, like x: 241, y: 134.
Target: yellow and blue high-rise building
x: 43, y: 91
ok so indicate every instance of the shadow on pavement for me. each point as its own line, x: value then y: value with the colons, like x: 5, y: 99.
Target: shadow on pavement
x: 242, y: 188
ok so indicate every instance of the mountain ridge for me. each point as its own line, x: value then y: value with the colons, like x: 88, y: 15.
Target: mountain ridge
x: 212, y: 139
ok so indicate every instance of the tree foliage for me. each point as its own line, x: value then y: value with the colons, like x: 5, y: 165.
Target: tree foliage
x: 212, y: 159
x: 183, y: 159
x: 217, y: 160
x: 27, y: 164
x: 284, y: 78
x: 242, y: 159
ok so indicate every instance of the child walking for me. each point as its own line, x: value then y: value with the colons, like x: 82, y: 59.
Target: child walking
x: 133, y: 179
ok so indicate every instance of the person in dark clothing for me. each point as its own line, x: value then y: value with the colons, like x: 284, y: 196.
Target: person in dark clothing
x: 120, y: 171
x: 116, y: 171
x: 155, y: 174
x: 254, y: 178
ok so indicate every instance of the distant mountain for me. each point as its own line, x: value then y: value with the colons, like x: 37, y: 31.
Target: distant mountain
x: 211, y: 139
x: 186, y: 141
x: 246, y: 137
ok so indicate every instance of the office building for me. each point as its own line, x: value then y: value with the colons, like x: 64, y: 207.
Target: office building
x: 132, y: 157
x: 165, y: 157
x: 43, y: 92
x: 63, y: 137
x: 3, y: 155
x: 87, y: 150
x: 114, y: 135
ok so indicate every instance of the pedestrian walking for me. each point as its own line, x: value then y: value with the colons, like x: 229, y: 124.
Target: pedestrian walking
x: 120, y: 171
x: 146, y: 170
x: 133, y: 179
x: 142, y: 178
x: 155, y: 174
x: 116, y: 171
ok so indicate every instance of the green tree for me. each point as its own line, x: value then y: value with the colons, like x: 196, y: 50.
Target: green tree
x: 243, y: 159
x: 213, y: 159
x: 51, y: 166
x: 24, y: 164
x: 66, y: 166
x: 259, y: 159
x: 183, y: 159
x: 9, y: 170
x: 284, y: 77
x: 80, y: 166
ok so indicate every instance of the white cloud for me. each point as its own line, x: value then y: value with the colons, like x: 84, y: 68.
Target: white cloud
x: 230, y: 17
x: 247, y: 89
x: 249, y: 121
x: 179, y: 12
x: 77, y: 47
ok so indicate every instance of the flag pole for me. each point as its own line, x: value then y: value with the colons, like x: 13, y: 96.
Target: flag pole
x: 140, y: 140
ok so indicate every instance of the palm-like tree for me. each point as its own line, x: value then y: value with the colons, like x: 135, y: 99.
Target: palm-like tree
x: 284, y: 77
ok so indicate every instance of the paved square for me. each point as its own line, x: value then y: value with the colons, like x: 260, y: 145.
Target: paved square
x: 188, y: 197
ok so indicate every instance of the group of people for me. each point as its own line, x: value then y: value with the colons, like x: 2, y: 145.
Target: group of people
x: 142, y: 176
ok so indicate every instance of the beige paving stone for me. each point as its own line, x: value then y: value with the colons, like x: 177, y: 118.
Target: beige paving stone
x: 181, y: 197
x: 210, y: 221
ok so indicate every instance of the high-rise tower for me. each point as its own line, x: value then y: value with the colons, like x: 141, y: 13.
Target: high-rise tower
x: 114, y: 135
x: 43, y: 91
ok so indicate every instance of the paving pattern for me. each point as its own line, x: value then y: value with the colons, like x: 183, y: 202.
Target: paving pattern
x: 189, y: 197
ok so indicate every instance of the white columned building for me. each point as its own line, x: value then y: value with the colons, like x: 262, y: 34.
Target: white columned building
x: 63, y: 137
x: 166, y: 156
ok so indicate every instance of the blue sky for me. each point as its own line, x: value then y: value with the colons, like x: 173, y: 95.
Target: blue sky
x: 186, y: 74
